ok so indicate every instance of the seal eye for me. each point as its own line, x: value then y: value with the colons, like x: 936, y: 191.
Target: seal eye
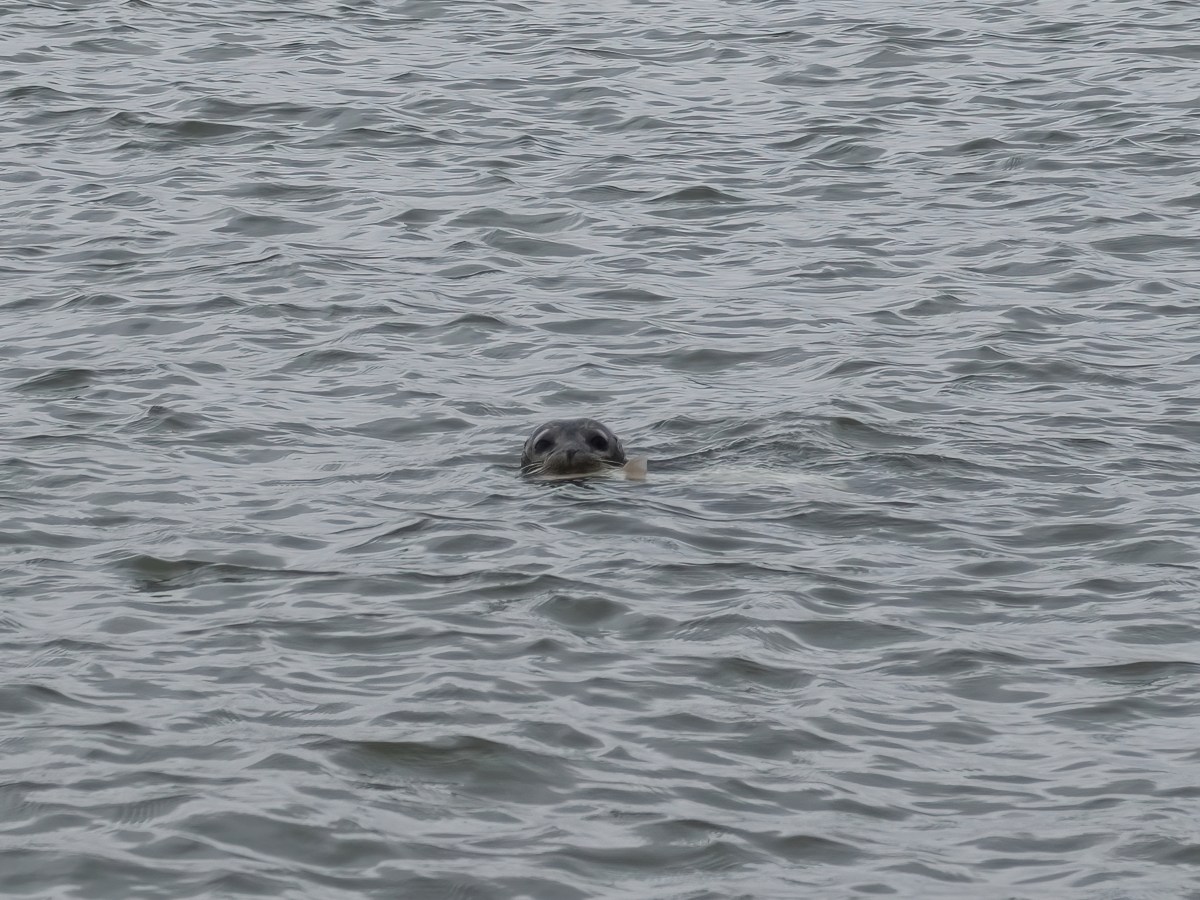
x: 598, y: 443
x: 543, y: 445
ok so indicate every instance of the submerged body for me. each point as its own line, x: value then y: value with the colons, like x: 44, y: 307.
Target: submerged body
x: 572, y: 448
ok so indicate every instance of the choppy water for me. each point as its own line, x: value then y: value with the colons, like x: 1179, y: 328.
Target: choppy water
x: 900, y: 300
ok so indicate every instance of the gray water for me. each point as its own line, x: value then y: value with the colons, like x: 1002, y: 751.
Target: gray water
x: 899, y: 300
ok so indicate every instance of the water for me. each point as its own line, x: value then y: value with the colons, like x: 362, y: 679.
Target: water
x: 898, y: 299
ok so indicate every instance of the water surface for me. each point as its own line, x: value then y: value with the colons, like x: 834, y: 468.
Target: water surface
x: 899, y: 300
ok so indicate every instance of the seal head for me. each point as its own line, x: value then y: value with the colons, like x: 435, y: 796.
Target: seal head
x: 571, y: 447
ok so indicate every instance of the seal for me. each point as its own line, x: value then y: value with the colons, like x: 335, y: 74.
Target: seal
x: 571, y: 447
